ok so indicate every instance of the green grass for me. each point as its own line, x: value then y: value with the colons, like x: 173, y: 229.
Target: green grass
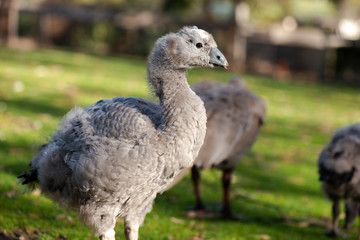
x: 276, y: 180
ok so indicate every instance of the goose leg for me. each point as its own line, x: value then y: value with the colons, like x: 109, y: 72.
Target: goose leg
x: 195, y: 174
x: 131, y: 230
x: 335, y: 231
x: 226, y: 181
x: 351, y: 213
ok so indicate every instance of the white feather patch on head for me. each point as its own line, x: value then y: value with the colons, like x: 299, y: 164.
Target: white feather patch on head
x: 203, y: 34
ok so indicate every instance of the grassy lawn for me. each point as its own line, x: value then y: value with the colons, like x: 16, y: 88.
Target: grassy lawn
x: 275, y: 186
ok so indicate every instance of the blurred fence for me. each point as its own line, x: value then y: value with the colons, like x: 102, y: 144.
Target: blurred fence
x: 308, y: 54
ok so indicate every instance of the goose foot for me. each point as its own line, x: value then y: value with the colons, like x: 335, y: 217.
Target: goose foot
x: 335, y: 234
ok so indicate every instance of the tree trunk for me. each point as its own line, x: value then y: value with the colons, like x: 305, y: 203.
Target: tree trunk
x: 13, y: 22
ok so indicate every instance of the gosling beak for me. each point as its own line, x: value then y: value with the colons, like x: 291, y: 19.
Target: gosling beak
x: 217, y: 58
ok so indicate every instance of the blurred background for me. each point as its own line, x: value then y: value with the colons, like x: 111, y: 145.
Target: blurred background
x: 307, y: 39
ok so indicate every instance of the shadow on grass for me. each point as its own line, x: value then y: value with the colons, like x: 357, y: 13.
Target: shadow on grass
x: 73, y: 60
x: 289, y: 129
x: 18, y: 156
x: 259, y: 219
x: 273, y: 181
x: 27, y: 105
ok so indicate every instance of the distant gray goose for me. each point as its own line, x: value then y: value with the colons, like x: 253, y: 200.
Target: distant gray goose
x: 235, y: 116
x: 112, y: 158
x: 339, y: 171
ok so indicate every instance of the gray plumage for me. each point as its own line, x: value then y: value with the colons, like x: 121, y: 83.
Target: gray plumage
x: 234, y: 118
x: 112, y: 158
x: 339, y: 171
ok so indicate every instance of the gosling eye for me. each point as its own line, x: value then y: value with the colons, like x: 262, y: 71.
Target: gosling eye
x: 338, y: 154
x: 199, y: 45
